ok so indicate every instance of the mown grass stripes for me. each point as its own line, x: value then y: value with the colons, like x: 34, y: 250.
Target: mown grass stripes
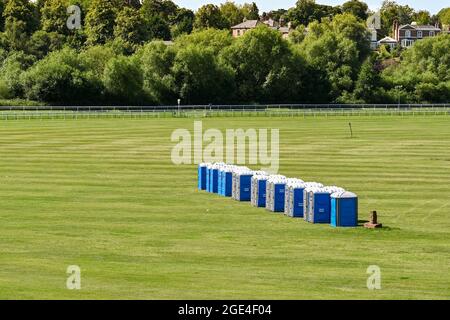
x: 103, y: 194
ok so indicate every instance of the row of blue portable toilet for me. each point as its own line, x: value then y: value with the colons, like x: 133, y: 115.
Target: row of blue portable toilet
x: 310, y: 200
x: 225, y: 180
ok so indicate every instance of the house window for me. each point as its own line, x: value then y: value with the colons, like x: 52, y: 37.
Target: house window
x: 239, y: 33
x: 419, y: 34
x: 431, y: 33
x: 406, y: 43
x: 408, y: 33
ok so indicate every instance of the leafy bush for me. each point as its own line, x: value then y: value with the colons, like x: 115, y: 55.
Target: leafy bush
x: 123, y: 80
x: 60, y: 78
x: 12, y: 68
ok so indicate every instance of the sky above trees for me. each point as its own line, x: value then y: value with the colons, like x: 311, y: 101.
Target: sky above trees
x: 266, y: 5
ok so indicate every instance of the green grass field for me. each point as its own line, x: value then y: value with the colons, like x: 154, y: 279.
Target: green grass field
x: 104, y: 195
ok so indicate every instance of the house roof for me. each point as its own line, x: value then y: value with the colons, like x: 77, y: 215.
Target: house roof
x: 249, y: 24
x: 420, y: 27
x: 387, y: 40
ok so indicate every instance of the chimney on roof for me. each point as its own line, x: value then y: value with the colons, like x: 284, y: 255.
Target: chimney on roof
x: 244, y: 20
x: 396, y: 30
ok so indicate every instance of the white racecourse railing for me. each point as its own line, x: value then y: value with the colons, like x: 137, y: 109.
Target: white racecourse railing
x: 271, y: 110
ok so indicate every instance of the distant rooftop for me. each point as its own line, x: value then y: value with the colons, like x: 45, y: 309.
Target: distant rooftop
x: 249, y: 24
x: 421, y: 27
x: 387, y: 40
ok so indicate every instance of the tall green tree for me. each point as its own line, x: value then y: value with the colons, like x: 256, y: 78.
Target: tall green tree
x: 60, y: 78
x: 95, y: 58
x: 100, y: 21
x: 54, y: 16
x: 157, y: 60
x: 444, y: 16
x: 298, y: 34
x: 258, y: 59
x: 123, y: 80
x: 213, y: 39
x: 2, y: 19
x: 232, y: 13
x: 201, y: 78
x: 182, y: 22
x: 157, y: 15
x: 164, y: 8
x: 337, y: 49
x: 19, y: 10
x: 11, y: 70
x: 210, y: 16
x: 275, y: 15
x: 422, y: 17
x: 250, y: 11
x: 19, y: 22
x: 158, y: 28
x: 358, y: 8
x: 131, y: 27
x: 349, y: 27
x: 41, y: 43
x: 133, y: 3
x: 368, y: 86
x: 306, y: 11
x: 391, y: 12
x: 424, y: 73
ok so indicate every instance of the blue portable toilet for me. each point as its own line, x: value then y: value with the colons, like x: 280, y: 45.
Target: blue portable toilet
x: 321, y: 207
x: 214, y: 179
x: 275, y: 193
x: 320, y: 204
x: 245, y: 187
x: 307, y: 198
x: 242, y: 184
x: 278, y: 199
x: 344, y: 209
x: 294, y: 201
x: 297, y: 203
x: 208, y: 177
x: 226, y: 182
x: 290, y: 198
x: 259, y: 190
x: 220, y: 180
x: 307, y: 202
x: 202, y: 176
x: 261, y: 196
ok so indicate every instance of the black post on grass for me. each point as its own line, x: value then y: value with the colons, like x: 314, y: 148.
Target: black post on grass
x: 351, y: 130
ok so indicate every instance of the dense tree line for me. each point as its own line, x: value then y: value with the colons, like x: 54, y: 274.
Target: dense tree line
x: 120, y: 56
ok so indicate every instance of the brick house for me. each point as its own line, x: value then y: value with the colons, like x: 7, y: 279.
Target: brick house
x: 407, y: 34
x: 242, y: 28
